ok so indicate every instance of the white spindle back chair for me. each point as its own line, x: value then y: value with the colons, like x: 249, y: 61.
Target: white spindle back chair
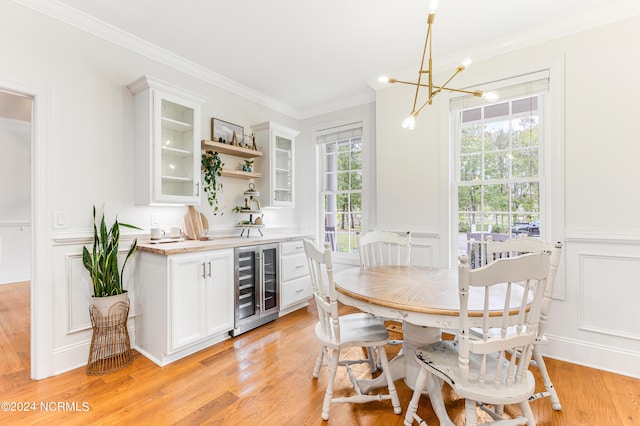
x: 379, y: 248
x: 479, y: 369
x: 515, y: 247
x: 337, y: 333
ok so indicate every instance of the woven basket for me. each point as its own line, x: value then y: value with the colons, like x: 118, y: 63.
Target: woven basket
x: 110, y: 347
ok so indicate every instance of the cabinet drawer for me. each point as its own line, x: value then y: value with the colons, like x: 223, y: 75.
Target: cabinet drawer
x: 295, y: 291
x: 291, y: 247
x: 293, y: 266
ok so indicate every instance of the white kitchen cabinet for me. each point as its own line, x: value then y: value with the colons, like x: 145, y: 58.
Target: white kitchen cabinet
x: 278, y: 145
x: 185, y: 303
x: 295, y: 282
x: 167, y: 143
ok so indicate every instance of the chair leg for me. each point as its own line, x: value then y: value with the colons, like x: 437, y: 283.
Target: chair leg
x: 434, y: 387
x: 412, y: 408
x: 542, y: 367
x: 319, y: 361
x: 372, y: 360
x: 528, y: 413
x: 384, y: 362
x: 326, y: 406
x: 470, y: 412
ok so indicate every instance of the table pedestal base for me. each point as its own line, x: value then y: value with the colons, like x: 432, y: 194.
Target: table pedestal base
x: 404, y: 366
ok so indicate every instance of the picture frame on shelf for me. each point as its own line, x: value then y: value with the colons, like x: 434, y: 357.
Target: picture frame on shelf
x: 225, y: 132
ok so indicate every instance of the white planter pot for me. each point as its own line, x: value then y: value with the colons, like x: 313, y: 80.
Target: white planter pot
x: 103, y: 304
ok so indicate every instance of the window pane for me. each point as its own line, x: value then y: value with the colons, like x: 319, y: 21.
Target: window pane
x: 469, y: 198
x: 525, y: 163
x: 496, y: 198
x: 343, y: 181
x: 471, y: 138
x: 356, y: 180
x: 330, y: 182
x: 525, y: 131
x: 356, y: 156
x: 496, y: 165
x: 526, y: 198
x: 343, y: 160
x: 496, y: 135
x: 470, y: 167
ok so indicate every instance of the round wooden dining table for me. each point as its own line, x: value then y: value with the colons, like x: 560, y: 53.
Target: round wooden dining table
x: 425, y: 299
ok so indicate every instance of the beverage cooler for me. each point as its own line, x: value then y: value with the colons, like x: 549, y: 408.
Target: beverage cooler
x: 257, y: 288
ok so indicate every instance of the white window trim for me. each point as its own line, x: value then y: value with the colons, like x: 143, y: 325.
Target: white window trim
x: 553, y: 164
x: 368, y: 179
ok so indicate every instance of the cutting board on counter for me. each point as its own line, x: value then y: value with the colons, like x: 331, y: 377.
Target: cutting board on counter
x: 194, y: 224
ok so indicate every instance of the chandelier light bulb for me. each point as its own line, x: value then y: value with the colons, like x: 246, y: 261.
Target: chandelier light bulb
x: 409, y: 122
x: 383, y: 79
x: 433, y: 5
x: 490, y: 96
x: 466, y: 63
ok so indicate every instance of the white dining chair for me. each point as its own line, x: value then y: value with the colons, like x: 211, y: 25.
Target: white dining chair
x: 337, y: 333
x: 517, y: 246
x: 380, y: 248
x: 480, y: 370
x: 384, y: 248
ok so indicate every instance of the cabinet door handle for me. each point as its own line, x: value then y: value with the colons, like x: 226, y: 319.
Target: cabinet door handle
x: 209, y: 268
x: 203, y: 271
x: 299, y: 266
x: 300, y: 290
x: 198, y: 189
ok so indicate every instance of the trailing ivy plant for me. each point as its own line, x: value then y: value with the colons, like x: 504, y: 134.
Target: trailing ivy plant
x: 212, y: 170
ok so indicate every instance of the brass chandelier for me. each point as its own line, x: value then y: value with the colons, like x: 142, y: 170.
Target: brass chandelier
x: 432, y: 90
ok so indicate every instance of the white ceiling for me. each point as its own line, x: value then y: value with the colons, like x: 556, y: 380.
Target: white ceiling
x: 316, y: 56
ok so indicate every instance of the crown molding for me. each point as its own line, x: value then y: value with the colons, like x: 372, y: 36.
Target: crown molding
x: 598, y: 17
x: 89, y: 24
x: 592, y: 19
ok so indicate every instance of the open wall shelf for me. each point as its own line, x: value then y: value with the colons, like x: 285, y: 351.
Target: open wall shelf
x: 223, y: 148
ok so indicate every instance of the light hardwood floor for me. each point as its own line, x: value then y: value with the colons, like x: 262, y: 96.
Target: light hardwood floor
x: 259, y: 378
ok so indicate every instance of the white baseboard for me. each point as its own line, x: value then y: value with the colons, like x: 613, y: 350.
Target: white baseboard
x: 588, y: 354
x: 15, y: 276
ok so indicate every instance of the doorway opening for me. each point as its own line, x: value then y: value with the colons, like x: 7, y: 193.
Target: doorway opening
x: 16, y: 135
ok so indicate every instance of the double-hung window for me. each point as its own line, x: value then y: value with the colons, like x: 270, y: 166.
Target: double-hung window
x: 340, y: 151
x: 499, y: 171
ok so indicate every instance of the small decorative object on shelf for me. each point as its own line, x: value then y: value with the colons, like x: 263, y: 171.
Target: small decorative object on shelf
x: 248, y: 166
x: 251, y: 207
x: 225, y: 132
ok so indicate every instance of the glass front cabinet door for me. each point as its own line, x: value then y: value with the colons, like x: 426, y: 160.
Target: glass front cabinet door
x: 167, y: 143
x: 278, y: 145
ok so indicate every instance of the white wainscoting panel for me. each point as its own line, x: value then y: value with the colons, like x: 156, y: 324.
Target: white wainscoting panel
x: 72, y: 298
x: 605, y: 290
x: 425, y: 249
x: 78, y: 294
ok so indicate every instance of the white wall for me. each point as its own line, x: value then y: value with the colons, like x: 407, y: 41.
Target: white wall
x: 89, y: 153
x: 596, y: 322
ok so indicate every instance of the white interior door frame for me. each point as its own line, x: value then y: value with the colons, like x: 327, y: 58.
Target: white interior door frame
x: 41, y: 286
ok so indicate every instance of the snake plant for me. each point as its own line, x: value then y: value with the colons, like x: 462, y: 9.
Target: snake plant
x: 102, y: 260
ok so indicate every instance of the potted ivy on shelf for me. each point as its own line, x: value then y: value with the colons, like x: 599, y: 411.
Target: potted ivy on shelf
x: 102, y: 263
x: 212, y: 169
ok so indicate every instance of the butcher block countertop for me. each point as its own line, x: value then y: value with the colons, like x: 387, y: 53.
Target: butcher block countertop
x: 191, y: 246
